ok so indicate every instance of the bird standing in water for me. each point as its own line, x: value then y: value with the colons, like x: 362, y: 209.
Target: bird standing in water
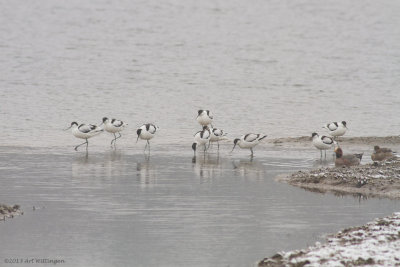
x: 146, y: 132
x: 84, y: 131
x: 114, y: 126
x: 248, y: 141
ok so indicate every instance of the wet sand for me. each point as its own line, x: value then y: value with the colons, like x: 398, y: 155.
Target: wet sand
x: 375, y: 243
x: 379, y: 179
x: 344, y: 141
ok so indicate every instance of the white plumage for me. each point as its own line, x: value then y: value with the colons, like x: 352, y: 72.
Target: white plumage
x: 204, y: 117
x: 322, y: 142
x: 217, y: 135
x: 248, y: 141
x: 114, y: 126
x: 336, y: 128
x: 146, y: 132
x: 201, y: 138
x: 84, y: 131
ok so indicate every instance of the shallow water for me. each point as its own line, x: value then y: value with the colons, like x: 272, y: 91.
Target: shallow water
x: 120, y: 208
x: 281, y: 68
x: 276, y: 67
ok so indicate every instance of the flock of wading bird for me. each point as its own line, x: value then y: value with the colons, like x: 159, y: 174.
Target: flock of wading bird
x: 210, y: 134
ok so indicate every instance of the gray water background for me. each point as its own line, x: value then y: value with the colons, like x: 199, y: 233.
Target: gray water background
x: 277, y: 67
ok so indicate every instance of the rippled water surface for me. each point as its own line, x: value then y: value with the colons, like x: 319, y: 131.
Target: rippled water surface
x: 279, y: 67
x: 283, y: 68
x: 118, y: 208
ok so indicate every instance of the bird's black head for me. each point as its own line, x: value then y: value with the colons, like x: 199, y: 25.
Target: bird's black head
x: 194, y: 146
x: 74, y: 123
x: 139, y: 131
x: 235, y: 143
x: 105, y: 119
x: 199, y: 112
x: 344, y: 123
x: 313, y: 134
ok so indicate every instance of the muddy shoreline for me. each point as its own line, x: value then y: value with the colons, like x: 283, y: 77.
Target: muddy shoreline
x: 375, y: 243
x: 344, y: 141
x: 7, y: 211
x: 379, y: 179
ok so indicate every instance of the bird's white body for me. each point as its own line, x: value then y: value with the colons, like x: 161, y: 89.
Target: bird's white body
x: 336, y: 128
x: 147, y: 131
x: 204, y: 117
x: 113, y: 125
x: 248, y: 141
x: 217, y: 135
x: 322, y: 142
x: 202, y: 137
x: 85, y: 131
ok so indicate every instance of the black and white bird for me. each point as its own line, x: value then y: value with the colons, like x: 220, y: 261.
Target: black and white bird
x: 322, y: 142
x: 217, y: 135
x: 248, y: 141
x: 336, y: 129
x: 204, y: 117
x: 146, y: 132
x: 84, y: 131
x: 201, y: 138
x: 114, y: 126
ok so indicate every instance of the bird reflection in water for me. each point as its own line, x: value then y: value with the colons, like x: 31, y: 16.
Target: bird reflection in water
x: 249, y: 169
x: 146, y: 172
x: 99, y: 165
x: 207, y: 167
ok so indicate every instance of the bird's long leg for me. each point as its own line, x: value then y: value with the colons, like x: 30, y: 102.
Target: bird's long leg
x: 252, y: 153
x: 148, y: 144
x: 325, y: 154
x: 86, y: 142
x: 115, y: 138
x: 218, y: 145
x: 321, y: 153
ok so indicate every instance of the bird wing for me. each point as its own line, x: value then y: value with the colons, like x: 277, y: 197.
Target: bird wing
x: 326, y: 140
x: 250, y: 137
x: 151, y: 128
x: 117, y: 123
x: 217, y: 132
x: 332, y: 126
x: 86, y: 128
x: 205, y: 134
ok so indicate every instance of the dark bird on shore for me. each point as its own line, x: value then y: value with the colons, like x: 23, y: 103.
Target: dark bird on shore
x: 380, y: 154
x: 348, y: 159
